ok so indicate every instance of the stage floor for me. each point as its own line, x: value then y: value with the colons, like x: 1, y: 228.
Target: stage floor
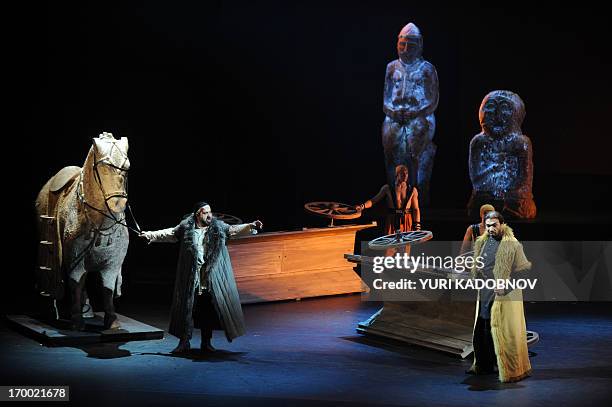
x: 307, y: 353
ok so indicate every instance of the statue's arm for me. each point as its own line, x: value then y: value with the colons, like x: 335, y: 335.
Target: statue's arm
x: 431, y: 91
x: 525, y: 167
x: 430, y: 84
x: 473, y: 161
x: 388, y: 107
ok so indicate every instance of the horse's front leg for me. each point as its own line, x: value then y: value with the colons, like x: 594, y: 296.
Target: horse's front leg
x: 76, y: 313
x: 109, y: 281
x: 110, y: 318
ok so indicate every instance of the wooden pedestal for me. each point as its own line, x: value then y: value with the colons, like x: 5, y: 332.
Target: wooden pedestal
x: 59, y: 333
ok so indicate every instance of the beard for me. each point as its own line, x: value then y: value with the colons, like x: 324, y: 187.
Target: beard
x: 203, y: 221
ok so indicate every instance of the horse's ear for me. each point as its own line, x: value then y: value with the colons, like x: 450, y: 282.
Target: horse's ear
x: 96, y: 144
x: 124, y: 143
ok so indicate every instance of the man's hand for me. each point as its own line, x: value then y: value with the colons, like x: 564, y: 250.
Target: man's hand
x: 499, y: 291
x: 257, y: 224
x: 145, y: 236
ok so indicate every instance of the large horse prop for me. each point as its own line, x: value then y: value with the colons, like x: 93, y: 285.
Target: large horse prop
x: 81, y: 213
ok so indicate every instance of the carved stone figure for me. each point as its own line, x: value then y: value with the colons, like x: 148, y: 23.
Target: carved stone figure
x: 500, y: 162
x: 410, y: 99
x: 82, y: 227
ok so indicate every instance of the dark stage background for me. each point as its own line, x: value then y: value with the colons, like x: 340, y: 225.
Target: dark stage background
x: 261, y: 107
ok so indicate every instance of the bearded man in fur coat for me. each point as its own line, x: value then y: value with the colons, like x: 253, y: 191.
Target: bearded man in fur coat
x: 500, y: 334
x: 205, y: 293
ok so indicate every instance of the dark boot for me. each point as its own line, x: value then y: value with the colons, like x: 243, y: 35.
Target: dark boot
x: 484, y: 348
x: 183, y: 347
x: 206, y: 345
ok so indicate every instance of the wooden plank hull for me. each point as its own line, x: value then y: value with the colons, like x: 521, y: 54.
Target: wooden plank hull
x: 429, y: 324
x: 293, y: 265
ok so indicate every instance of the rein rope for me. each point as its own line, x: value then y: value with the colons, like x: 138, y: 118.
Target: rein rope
x: 116, y: 221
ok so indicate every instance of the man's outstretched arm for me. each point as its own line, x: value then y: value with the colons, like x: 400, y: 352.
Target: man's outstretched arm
x: 163, y: 235
x: 237, y: 230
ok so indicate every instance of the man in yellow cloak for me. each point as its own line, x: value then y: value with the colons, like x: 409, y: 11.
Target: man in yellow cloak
x: 500, y: 335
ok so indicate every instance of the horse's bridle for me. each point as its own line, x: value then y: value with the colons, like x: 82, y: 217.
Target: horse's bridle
x: 121, y: 169
x: 105, y: 160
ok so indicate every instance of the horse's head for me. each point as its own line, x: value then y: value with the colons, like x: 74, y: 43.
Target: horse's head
x: 110, y: 167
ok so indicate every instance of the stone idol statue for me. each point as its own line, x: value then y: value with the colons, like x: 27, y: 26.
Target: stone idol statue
x: 500, y: 162
x: 410, y: 99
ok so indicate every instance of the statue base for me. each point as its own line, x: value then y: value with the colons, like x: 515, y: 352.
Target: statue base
x: 59, y: 332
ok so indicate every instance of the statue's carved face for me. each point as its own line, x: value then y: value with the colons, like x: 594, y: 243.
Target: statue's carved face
x: 409, y: 48
x: 497, y: 116
x: 501, y: 113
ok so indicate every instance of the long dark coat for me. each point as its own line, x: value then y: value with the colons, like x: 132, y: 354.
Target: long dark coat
x: 218, y: 273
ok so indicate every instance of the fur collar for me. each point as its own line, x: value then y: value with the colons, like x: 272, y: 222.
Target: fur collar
x: 213, y: 240
x: 504, y: 258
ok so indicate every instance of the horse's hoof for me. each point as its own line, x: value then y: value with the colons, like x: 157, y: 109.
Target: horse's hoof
x: 88, y: 311
x: 111, y: 323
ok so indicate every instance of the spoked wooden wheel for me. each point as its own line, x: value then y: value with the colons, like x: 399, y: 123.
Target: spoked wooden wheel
x: 229, y: 219
x: 400, y: 240
x: 333, y: 210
